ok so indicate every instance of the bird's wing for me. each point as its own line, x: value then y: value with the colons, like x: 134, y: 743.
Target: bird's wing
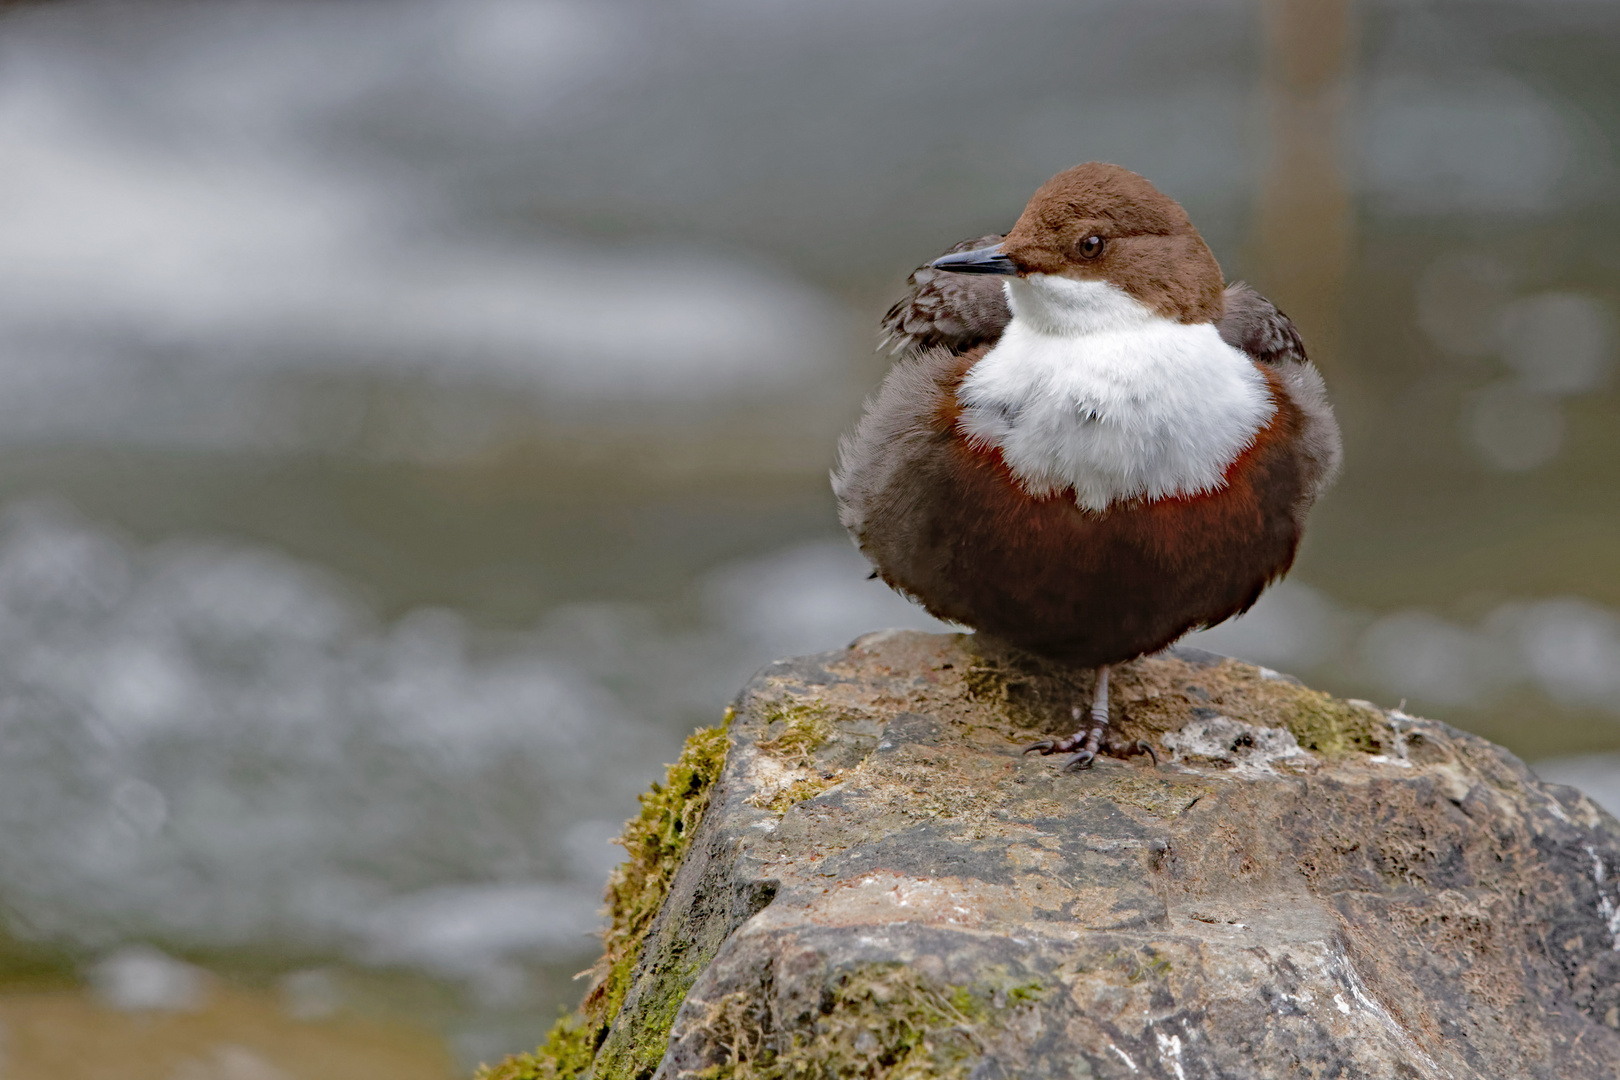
x: 958, y: 311
x: 1253, y: 325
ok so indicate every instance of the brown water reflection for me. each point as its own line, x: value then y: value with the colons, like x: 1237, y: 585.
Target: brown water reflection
x: 235, y: 1034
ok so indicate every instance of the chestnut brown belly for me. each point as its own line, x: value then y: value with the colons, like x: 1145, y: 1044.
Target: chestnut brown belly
x: 1095, y: 588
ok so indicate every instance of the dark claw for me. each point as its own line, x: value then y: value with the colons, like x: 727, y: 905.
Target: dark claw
x: 1142, y: 747
x: 1045, y: 746
x: 1082, y: 760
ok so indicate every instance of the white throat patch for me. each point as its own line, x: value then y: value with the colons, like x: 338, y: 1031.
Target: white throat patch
x: 1089, y: 389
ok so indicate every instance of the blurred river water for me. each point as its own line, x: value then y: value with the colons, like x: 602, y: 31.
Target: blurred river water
x: 415, y: 418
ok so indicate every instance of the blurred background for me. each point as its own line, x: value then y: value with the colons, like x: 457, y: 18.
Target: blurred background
x: 415, y: 417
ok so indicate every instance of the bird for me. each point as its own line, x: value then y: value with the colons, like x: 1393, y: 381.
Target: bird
x: 1090, y: 444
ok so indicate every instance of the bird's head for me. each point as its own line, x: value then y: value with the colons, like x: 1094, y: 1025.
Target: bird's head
x: 1097, y: 244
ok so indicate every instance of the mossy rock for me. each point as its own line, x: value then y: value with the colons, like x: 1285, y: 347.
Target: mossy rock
x: 864, y: 877
x: 654, y: 841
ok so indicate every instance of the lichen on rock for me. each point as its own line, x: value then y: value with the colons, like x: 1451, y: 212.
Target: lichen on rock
x: 882, y: 886
x: 1226, y: 743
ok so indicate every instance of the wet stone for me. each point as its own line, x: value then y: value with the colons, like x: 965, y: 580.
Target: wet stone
x: 1305, y: 887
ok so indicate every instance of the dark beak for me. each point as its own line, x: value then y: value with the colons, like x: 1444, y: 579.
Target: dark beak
x: 985, y: 260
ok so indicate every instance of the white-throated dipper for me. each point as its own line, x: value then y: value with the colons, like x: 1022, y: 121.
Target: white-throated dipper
x: 1091, y: 444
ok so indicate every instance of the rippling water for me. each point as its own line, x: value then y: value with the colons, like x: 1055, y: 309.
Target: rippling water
x: 213, y: 748
x: 414, y: 418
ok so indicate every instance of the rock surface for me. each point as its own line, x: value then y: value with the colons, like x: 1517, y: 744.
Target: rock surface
x: 882, y: 886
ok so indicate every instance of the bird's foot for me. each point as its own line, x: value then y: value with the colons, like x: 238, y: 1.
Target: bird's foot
x: 1087, y: 743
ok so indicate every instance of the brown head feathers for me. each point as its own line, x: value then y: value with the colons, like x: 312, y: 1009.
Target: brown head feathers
x: 1148, y: 246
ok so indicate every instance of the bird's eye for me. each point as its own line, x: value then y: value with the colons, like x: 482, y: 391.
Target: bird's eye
x: 1091, y: 247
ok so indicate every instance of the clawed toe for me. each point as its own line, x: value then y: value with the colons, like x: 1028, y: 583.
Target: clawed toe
x: 1055, y: 746
x: 1087, y: 757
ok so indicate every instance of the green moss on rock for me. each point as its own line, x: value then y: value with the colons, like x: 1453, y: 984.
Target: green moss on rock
x: 795, y: 793
x: 795, y: 731
x: 1334, y: 728
x: 639, y: 1045
x: 565, y: 1054
x: 655, y: 841
x: 880, y: 1022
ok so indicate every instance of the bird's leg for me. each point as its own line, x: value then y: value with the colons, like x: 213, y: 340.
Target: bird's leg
x: 1088, y: 740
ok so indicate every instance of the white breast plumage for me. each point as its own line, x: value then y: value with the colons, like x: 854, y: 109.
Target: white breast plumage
x: 1089, y: 389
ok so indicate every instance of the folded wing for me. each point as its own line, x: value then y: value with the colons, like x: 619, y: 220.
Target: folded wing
x: 957, y: 311
x: 1253, y: 325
